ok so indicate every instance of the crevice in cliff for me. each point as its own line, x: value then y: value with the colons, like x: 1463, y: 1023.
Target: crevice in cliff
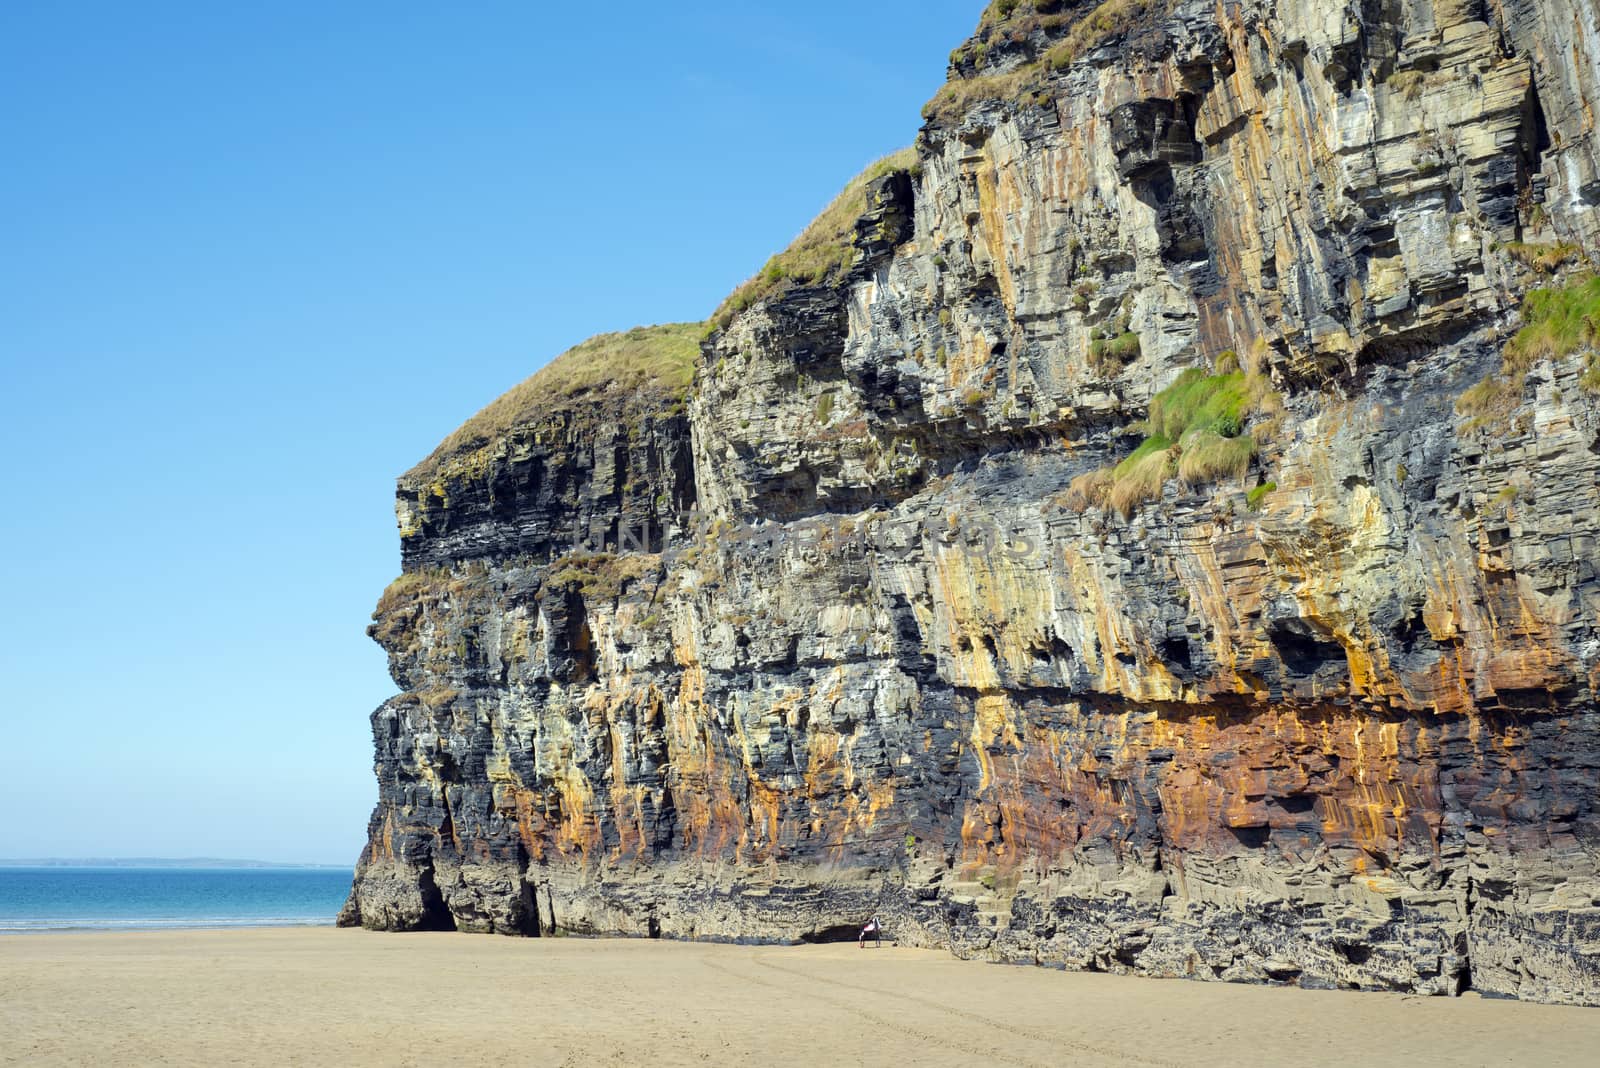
x: 1305, y: 649
x: 1464, y: 940
x: 527, y: 915
x: 1406, y: 345
x: 1252, y: 837
x: 1536, y: 139
x: 436, y: 915
x: 547, y: 911
x: 841, y: 932
x: 949, y: 447
x: 1156, y: 148
x: 1495, y: 713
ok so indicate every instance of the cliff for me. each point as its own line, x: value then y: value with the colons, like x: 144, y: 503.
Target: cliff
x: 1149, y: 528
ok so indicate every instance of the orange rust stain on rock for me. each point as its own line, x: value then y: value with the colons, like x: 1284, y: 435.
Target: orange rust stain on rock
x: 993, y: 234
x: 1339, y: 777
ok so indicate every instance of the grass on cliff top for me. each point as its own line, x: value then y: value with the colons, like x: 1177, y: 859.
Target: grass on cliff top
x: 1194, y: 430
x: 1075, y: 32
x: 654, y: 360
x: 824, y: 249
x: 1557, y: 322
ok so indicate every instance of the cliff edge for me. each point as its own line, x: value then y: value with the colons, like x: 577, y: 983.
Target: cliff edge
x: 1148, y: 527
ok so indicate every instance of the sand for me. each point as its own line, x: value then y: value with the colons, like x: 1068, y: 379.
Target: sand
x: 322, y: 996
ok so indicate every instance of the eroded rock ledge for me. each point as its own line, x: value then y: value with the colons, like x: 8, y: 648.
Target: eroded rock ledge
x: 852, y: 625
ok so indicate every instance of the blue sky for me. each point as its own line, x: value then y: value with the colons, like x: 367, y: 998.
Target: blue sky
x: 256, y: 260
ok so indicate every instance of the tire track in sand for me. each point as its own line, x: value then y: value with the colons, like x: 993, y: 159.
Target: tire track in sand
x: 990, y: 1056
x: 1012, y: 1029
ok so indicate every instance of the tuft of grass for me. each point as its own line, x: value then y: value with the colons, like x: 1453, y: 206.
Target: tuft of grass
x: 1254, y: 499
x: 1141, y: 476
x: 1262, y: 402
x: 1109, y: 19
x: 1210, y: 457
x: 1082, y: 294
x: 823, y: 251
x: 599, y: 577
x: 1090, y: 488
x: 1194, y: 430
x: 1490, y: 399
x: 824, y: 407
x: 648, y: 365
x: 1150, y: 446
x: 404, y: 592
x: 950, y: 102
x: 437, y: 697
x: 1408, y: 83
x: 1590, y: 380
x: 1542, y: 257
x: 1557, y: 322
x: 406, y: 585
x: 1113, y: 352
x: 1198, y: 401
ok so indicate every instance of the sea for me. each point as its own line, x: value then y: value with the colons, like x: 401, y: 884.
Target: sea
x: 37, y: 899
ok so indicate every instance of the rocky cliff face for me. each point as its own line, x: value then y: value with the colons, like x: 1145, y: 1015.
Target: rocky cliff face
x: 1167, y: 545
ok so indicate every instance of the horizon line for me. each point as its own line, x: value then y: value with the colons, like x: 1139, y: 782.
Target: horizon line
x: 132, y: 861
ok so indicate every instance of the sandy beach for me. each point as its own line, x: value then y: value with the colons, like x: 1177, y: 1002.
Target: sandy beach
x: 321, y: 996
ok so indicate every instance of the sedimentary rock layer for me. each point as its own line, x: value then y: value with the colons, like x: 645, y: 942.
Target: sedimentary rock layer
x: 903, y: 610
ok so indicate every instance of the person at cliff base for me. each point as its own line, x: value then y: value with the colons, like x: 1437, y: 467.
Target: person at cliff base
x: 871, y: 928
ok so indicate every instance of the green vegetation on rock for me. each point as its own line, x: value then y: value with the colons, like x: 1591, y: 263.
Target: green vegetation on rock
x: 1544, y: 258
x: 1556, y: 322
x: 657, y: 361
x: 1194, y: 430
x: 1110, y: 353
x: 600, y: 577
x: 1408, y: 83
x: 1198, y: 402
x: 824, y: 249
x: 1258, y: 494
